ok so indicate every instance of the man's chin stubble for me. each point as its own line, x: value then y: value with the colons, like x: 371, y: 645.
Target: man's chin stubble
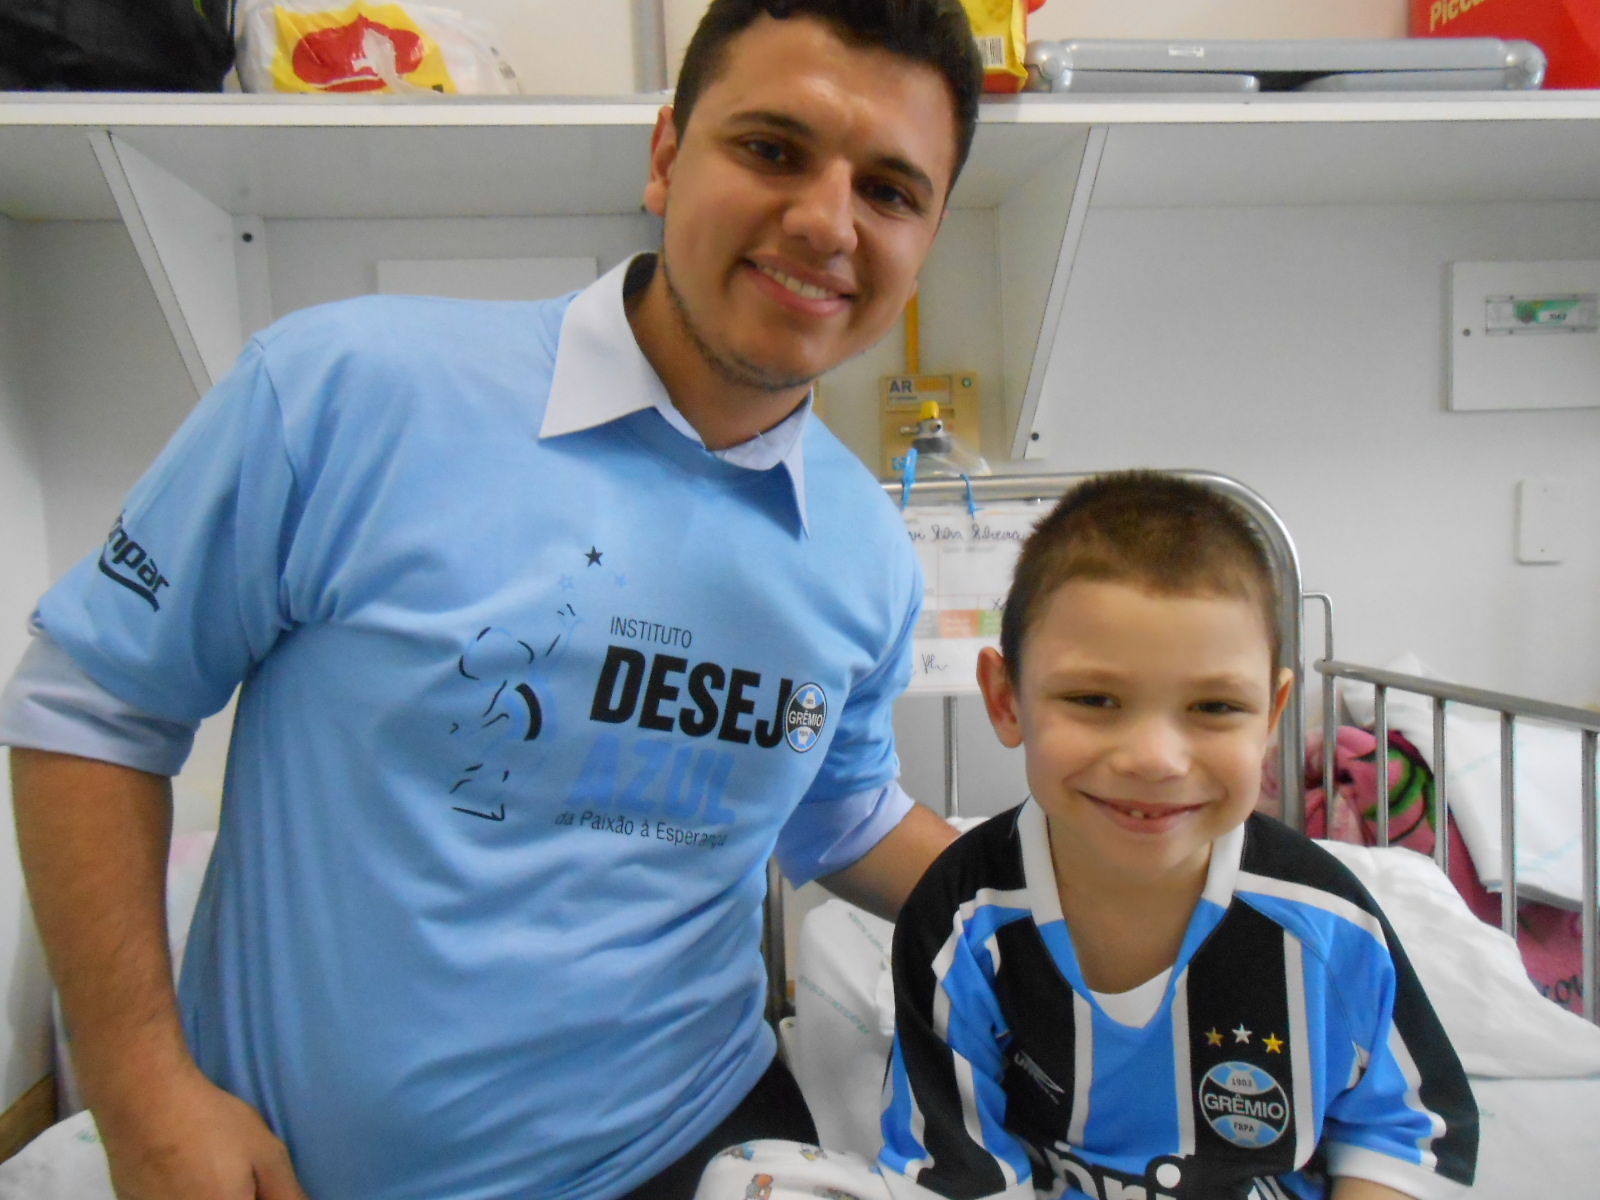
x: 740, y: 372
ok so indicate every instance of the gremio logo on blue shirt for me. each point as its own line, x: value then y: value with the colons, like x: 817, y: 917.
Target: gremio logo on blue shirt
x: 666, y: 693
x: 805, y: 716
x: 1244, y: 1104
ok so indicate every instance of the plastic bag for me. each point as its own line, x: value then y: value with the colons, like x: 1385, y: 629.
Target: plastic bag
x: 310, y: 46
x: 1000, y: 28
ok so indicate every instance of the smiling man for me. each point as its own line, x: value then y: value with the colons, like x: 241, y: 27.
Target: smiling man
x: 553, y: 623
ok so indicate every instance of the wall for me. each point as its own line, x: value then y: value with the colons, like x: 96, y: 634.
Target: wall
x: 24, y: 990
x: 1302, y: 351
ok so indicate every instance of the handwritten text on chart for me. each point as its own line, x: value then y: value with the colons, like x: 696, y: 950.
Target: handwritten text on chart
x: 967, y: 565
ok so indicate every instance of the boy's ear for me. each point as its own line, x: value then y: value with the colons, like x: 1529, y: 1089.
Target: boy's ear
x: 999, y: 697
x: 1280, y: 700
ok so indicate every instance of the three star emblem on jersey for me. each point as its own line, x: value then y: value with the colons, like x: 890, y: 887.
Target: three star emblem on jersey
x: 805, y: 716
x: 1244, y: 1104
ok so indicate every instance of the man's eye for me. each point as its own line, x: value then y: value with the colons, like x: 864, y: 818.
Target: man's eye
x: 766, y: 149
x: 888, y: 195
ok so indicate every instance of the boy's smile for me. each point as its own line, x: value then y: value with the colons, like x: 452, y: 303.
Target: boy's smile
x: 1144, y: 718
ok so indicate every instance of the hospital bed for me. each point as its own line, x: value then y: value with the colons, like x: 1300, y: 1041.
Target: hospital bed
x: 1535, y: 1068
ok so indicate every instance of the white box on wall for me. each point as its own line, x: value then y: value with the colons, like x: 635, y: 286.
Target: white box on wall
x: 1524, y: 335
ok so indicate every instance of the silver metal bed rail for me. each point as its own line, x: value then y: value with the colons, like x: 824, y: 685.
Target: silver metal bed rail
x: 1510, y: 708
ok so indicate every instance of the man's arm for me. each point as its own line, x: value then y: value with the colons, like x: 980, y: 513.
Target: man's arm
x: 93, y: 839
x: 880, y: 880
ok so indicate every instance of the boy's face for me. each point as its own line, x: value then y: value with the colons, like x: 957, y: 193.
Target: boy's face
x: 1143, y: 719
x: 801, y: 200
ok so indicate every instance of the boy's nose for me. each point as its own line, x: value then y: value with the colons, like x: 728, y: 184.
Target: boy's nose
x: 823, y: 210
x: 1152, y: 749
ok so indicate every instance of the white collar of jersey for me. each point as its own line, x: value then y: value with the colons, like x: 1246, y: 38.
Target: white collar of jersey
x: 1039, y: 873
x: 601, y: 376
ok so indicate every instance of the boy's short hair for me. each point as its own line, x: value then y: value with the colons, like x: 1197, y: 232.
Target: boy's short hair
x: 1160, y: 533
x: 935, y: 33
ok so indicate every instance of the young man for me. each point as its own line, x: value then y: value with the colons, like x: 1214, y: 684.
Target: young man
x: 553, y: 622
x: 1130, y: 985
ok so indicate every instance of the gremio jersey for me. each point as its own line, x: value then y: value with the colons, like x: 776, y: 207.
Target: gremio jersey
x: 1294, y: 1041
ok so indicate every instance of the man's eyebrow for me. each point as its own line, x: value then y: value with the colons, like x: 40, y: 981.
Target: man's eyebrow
x: 793, y: 125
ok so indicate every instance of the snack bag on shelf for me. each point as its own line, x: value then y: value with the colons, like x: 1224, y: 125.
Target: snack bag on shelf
x: 312, y: 46
x: 1568, y: 31
x: 1001, y: 29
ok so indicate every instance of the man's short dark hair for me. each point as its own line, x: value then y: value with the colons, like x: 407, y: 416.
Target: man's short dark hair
x: 1160, y: 533
x: 935, y: 33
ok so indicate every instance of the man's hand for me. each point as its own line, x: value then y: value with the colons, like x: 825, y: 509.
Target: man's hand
x: 93, y: 840
x: 194, y: 1141
x: 1347, y: 1187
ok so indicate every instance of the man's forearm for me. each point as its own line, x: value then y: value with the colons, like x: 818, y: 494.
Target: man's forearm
x: 93, y: 839
x: 882, y: 879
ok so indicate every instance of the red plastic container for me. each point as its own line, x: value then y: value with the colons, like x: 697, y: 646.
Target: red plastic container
x: 1568, y: 31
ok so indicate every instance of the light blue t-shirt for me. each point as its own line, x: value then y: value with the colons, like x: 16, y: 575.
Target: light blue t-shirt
x: 522, y: 720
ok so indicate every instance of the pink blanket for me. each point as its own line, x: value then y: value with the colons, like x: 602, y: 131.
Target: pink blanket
x: 1550, y: 939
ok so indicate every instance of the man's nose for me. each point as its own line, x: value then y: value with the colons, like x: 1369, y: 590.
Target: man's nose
x: 823, y: 211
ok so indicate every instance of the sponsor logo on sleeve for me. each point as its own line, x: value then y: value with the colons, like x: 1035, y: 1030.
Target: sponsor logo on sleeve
x: 126, y: 562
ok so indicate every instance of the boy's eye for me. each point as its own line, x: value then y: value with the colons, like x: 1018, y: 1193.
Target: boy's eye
x: 1219, y: 708
x: 1091, y: 700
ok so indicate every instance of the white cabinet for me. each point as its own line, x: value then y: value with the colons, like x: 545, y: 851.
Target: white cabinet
x: 191, y: 176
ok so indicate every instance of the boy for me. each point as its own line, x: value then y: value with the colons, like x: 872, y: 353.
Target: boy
x: 1130, y: 985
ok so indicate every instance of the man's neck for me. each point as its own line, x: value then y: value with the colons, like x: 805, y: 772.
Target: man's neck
x: 724, y: 413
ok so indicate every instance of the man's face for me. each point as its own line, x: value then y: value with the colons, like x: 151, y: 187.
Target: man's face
x: 801, y: 200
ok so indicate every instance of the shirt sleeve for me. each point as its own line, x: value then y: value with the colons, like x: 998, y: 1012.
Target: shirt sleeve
x: 856, y: 798
x: 1409, y: 1121
x: 51, y: 704
x: 824, y: 836
x: 944, y: 1105
x: 186, y: 594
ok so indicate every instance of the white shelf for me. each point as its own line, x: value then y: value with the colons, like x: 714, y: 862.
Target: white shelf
x: 1043, y: 163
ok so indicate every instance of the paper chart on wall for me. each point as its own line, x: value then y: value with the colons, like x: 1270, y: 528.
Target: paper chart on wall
x: 967, y: 563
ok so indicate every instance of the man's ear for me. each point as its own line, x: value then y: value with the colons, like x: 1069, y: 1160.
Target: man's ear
x: 999, y: 696
x: 1280, y: 699
x: 663, y: 154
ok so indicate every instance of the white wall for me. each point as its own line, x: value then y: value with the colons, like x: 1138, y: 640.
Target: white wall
x: 1302, y: 351
x: 24, y: 989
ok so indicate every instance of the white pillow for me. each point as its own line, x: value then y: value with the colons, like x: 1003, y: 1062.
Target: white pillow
x: 1500, y: 1025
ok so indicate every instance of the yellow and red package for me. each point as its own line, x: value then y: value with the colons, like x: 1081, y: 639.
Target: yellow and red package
x: 1568, y: 31
x: 366, y: 46
x: 1001, y: 30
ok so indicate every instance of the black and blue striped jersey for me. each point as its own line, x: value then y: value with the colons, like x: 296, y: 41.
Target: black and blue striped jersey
x: 1293, y: 1043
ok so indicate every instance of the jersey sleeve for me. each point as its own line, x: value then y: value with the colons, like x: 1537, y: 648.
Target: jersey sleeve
x: 1409, y: 1121
x: 944, y: 1106
x: 185, y: 595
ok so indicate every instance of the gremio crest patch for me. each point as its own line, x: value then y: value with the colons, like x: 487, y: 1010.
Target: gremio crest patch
x: 803, y: 719
x: 1244, y: 1104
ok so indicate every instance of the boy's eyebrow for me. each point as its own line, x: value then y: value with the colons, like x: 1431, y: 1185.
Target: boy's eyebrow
x: 793, y: 125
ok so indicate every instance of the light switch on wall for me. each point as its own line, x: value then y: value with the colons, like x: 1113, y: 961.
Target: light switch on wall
x: 1544, y: 520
